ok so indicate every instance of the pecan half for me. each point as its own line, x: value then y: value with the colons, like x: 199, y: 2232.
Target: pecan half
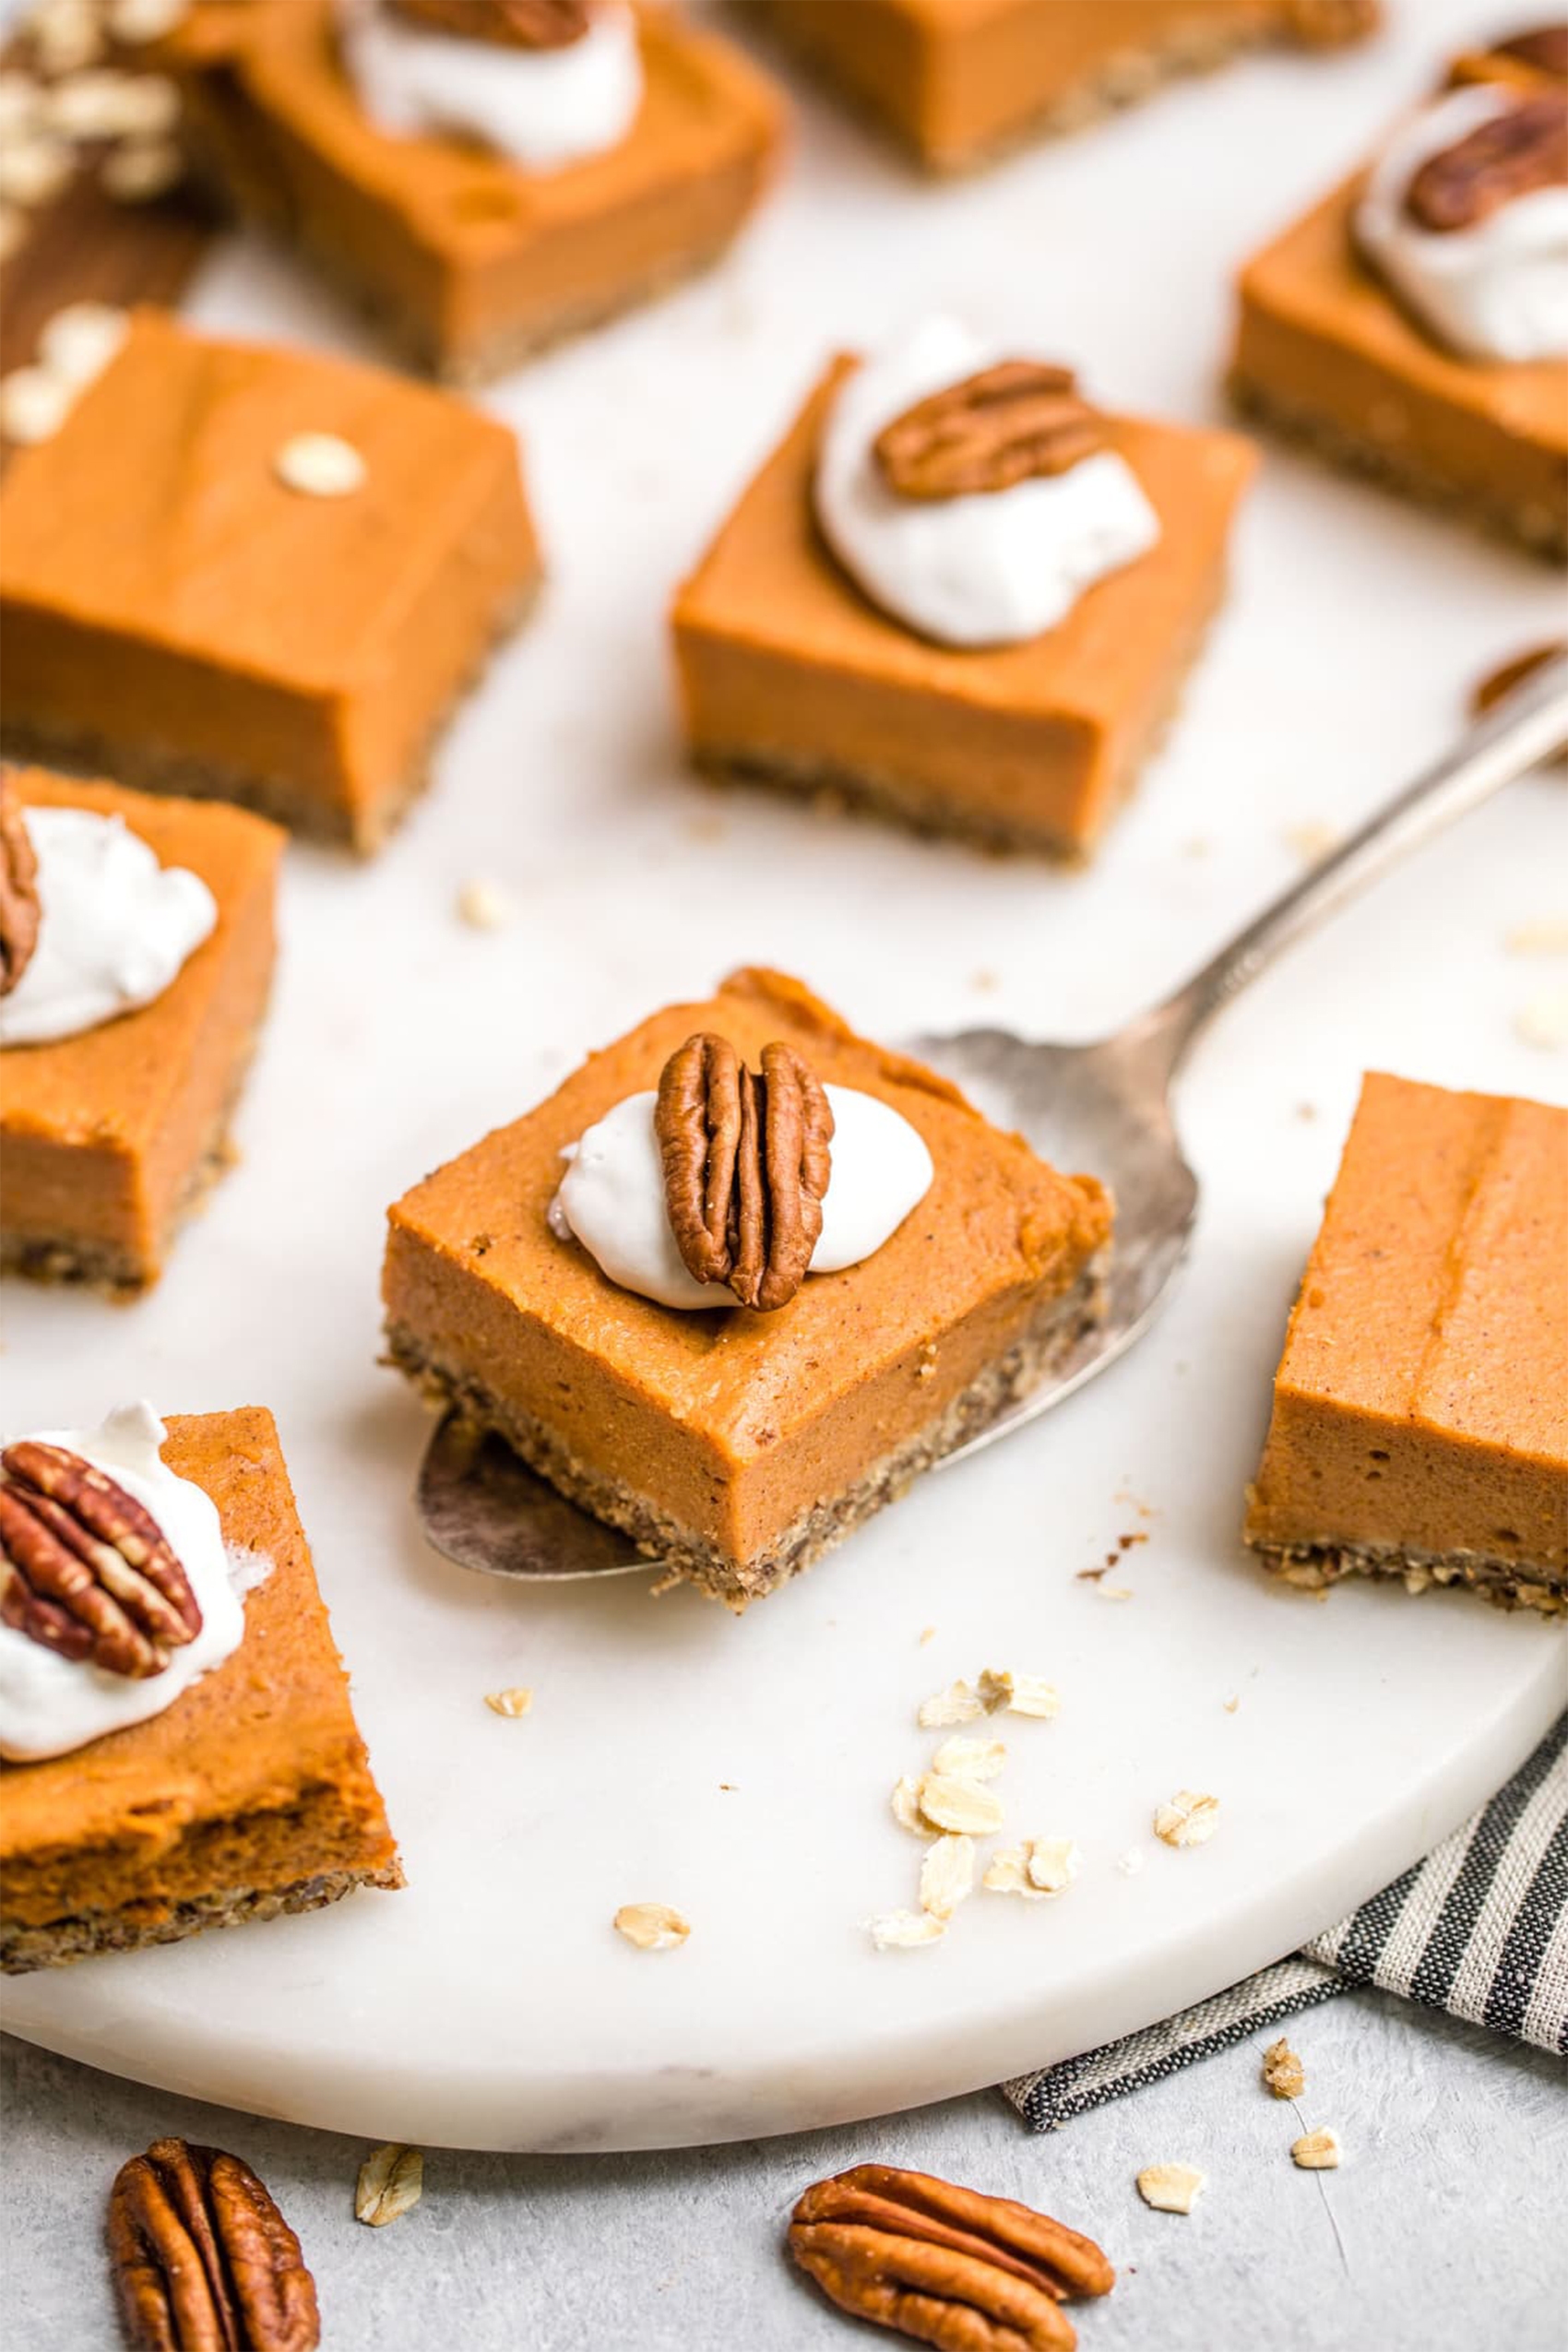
x: 500, y: 24
x: 19, y: 891
x: 1509, y: 156
x: 746, y: 1164
x: 1499, y: 684
x: 1543, y: 46
x: 944, y: 2264
x: 204, y: 2261
x: 84, y: 1569
x: 1004, y: 426
x: 1329, y: 24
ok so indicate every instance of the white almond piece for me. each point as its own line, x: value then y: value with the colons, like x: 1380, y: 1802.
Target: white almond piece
x: 1053, y: 1863
x: 906, y: 1930
x: 34, y: 170
x: 969, y: 1759
x: 907, y: 1807
x: 1172, y: 2188
x: 389, y: 2182
x: 137, y: 21
x: 142, y: 171
x: 950, y: 1803
x: 1316, y: 2151
x: 652, y: 1927
x: 514, y: 1702
x: 33, y: 405
x: 947, y: 1876
x: 957, y: 1703
x: 1187, y: 1820
x: 319, y: 465
x: 78, y: 341
x: 483, y: 907
x: 1032, y: 1694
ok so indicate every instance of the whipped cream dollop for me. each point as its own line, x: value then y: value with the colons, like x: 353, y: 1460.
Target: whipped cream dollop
x: 543, y: 108
x: 1495, y: 291
x: 114, y: 927
x: 989, y: 569
x: 50, y: 1705
x: 612, y: 1201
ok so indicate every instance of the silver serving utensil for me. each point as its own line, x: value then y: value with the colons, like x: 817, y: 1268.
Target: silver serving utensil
x: 1102, y: 1106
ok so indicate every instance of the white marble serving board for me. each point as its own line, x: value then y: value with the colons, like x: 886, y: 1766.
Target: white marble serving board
x: 742, y: 1770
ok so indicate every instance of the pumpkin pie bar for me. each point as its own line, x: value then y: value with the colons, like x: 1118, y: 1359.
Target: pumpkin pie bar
x: 256, y: 574
x: 796, y: 672
x: 1412, y: 326
x: 890, y: 1275
x: 154, y: 1813
x: 1420, y: 1408
x: 382, y: 141
x: 116, y: 1100
x: 958, y: 81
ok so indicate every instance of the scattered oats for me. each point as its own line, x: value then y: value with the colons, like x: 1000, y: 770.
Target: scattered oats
x: 34, y: 170
x: 947, y: 1876
x: 1549, y: 937
x: 907, y: 1807
x: 135, y: 20
x: 1172, y: 2188
x: 928, y: 1634
x: 906, y: 1930
x: 950, y: 1803
x: 1316, y: 2151
x: 319, y: 465
x: 1115, y: 1592
x: 1007, y: 1873
x: 1231, y: 1705
x: 1032, y: 1694
x: 483, y: 906
x: 516, y: 1701
x: 652, y: 1927
x: 969, y: 1759
x: 1312, y: 840
x: 79, y: 341
x: 1543, y: 1022
x: 1187, y: 1820
x: 141, y: 172
x: 390, y: 2181
x: 1053, y: 1863
x: 1282, y: 2071
x: 1131, y: 1862
x: 957, y: 1703
x: 33, y: 405
x: 994, y: 1687
x: 13, y: 229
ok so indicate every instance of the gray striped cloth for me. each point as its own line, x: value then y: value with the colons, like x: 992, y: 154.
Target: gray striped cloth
x: 1479, y: 1928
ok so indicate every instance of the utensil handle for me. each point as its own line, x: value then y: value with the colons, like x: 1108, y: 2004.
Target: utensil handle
x: 1528, y: 725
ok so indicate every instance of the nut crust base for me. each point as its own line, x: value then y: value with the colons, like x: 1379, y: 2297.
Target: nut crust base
x: 1314, y: 1566
x: 23, y: 1949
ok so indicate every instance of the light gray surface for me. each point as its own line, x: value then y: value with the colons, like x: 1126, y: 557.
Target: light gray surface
x: 1443, y: 2228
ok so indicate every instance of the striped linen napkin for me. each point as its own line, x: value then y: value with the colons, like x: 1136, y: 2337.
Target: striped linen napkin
x: 1479, y: 1928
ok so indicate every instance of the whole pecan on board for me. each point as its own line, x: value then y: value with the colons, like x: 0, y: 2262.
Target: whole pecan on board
x: 945, y: 2265
x: 500, y: 24
x: 1509, y: 156
x: 203, y: 2260
x: 1006, y: 425
x: 84, y: 1569
x: 19, y: 891
x: 746, y: 1163
x: 1543, y: 46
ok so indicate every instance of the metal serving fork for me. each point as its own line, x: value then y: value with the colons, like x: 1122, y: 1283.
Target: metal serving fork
x: 1104, y: 1107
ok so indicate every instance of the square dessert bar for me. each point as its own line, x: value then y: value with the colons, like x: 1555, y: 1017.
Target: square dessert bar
x: 111, y: 1137
x: 188, y: 603
x: 788, y: 674
x: 958, y: 80
x: 1325, y: 353
x: 1420, y: 1407
x: 468, y: 262
x: 736, y: 1447
x: 249, y: 1795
